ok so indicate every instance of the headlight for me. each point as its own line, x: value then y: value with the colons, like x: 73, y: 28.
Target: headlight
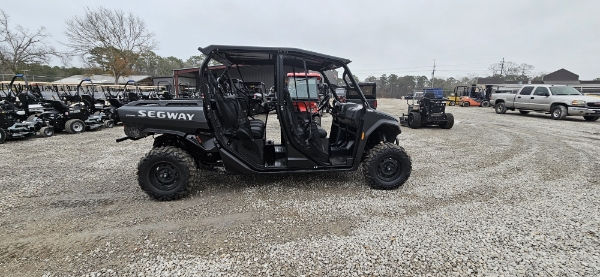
x: 578, y: 103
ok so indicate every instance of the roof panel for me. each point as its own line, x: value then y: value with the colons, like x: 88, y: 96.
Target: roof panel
x: 255, y: 55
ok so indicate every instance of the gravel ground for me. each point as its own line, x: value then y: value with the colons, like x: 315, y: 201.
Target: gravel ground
x: 496, y: 195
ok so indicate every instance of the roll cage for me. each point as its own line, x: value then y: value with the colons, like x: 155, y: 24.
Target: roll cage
x: 305, y: 141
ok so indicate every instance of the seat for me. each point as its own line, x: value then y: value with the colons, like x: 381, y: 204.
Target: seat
x: 257, y: 127
x: 132, y: 96
x: 89, y: 101
x: 322, y: 132
x: 59, y: 105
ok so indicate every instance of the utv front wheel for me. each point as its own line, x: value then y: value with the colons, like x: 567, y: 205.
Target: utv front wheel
x: 166, y: 173
x: 387, y: 166
x: 2, y: 136
x: 74, y: 126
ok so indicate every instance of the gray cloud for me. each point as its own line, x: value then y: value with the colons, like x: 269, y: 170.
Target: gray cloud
x: 400, y: 37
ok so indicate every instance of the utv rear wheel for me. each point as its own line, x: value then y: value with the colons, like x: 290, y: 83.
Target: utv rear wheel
x: 414, y: 120
x: 166, y: 173
x: 590, y: 117
x: 2, y: 136
x: 466, y: 104
x: 449, y: 123
x: 74, y: 126
x: 452, y: 103
x: 500, y: 108
x: 558, y: 112
x: 387, y: 166
x: 485, y: 104
x: 46, y: 131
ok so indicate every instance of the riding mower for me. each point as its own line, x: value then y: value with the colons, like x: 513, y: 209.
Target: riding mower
x: 13, y: 127
x: 427, y: 110
x: 96, y: 107
x: 25, y: 97
x: 67, y: 112
x: 115, y: 99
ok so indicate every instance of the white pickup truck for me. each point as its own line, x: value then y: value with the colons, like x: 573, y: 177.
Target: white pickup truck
x: 559, y: 101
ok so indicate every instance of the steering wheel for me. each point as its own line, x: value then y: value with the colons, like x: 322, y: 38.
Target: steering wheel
x: 324, y: 102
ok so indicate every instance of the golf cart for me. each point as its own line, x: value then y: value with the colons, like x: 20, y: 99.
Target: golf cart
x: 214, y: 134
x: 426, y: 110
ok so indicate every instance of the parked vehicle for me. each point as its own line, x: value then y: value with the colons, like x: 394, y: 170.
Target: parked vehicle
x: 12, y: 126
x: 471, y: 96
x: 559, y: 101
x: 427, y: 110
x: 67, y: 112
x: 213, y: 133
x: 369, y: 90
x: 306, y: 92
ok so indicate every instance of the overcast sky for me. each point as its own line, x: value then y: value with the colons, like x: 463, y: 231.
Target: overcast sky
x: 380, y: 37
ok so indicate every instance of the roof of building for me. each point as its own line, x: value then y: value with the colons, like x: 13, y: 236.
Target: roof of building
x: 103, y: 79
x: 561, y: 75
x: 490, y: 80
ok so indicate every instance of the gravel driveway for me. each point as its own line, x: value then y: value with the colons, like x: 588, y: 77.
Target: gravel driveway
x: 495, y: 195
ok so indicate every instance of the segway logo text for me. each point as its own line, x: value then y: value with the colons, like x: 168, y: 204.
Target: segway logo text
x: 169, y: 115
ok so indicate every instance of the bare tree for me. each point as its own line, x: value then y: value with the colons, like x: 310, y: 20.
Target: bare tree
x: 19, y: 47
x: 109, y: 39
x: 511, y: 70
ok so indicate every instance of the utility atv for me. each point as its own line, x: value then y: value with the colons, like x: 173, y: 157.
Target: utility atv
x: 213, y: 133
x: 427, y: 110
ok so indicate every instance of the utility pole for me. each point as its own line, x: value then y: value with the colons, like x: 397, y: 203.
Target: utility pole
x: 433, y: 73
x: 502, y: 67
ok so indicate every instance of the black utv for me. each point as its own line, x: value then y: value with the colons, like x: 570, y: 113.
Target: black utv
x: 214, y: 133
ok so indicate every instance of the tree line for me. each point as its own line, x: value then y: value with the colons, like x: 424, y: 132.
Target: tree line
x: 394, y: 86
